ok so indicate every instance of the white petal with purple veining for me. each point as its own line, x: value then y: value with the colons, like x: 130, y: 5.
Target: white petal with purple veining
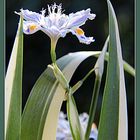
x: 79, y: 18
x: 82, y: 38
x: 30, y: 27
x: 56, y: 24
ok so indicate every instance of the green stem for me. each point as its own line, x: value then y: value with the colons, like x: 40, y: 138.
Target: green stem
x: 60, y: 77
x: 79, y: 83
x: 57, y: 72
x: 128, y: 68
x: 93, y: 106
x: 53, y: 47
x: 88, y: 74
x: 73, y: 118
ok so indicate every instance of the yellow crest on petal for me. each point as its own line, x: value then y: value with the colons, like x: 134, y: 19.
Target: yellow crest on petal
x: 32, y: 27
x: 79, y: 31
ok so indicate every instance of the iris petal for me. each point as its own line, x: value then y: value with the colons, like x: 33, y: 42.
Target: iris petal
x: 31, y: 16
x: 30, y: 27
x: 52, y: 32
x: 81, y: 37
x: 79, y: 18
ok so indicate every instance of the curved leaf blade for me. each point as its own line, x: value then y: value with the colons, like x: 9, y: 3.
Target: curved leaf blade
x: 99, y: 68
x: 46, y: 98
x: 35, y: 124
x: 113, y: 119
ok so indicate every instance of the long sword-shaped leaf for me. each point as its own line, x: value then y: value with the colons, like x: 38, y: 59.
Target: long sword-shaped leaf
x: 99, y: 68
x: 113, y: 119
x: 39, y: 120
x: 13, y: 88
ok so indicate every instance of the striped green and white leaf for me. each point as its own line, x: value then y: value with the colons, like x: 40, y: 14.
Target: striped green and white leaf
x: 99, y: 69
x: 40, y: 116
x: 13, y: 88
x: 113, y: 119
x: 73, y: 117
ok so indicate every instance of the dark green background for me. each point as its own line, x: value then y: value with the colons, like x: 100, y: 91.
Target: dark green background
x: 36, y: 49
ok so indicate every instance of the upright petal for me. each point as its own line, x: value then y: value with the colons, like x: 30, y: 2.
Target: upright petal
x: 79, y: 18
x: 81, y: 36
x: 31, y: 16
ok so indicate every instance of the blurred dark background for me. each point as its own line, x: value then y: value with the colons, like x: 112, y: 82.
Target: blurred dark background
x: 37, y: 47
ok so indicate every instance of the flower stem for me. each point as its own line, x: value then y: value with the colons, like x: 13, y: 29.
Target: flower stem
x: 57, y: 72
x: 79, y: 83
x: 53, y: 47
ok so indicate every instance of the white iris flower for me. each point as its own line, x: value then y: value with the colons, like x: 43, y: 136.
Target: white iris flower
x: 56, y: 24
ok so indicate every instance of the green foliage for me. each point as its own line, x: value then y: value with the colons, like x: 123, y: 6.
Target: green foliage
x: 113, y: 119
x: 39, y: 119
x: 99, y: 68
x: 129, y: 69
x: 13, y: 88
x: 40, y: 115
x: 73, y: 118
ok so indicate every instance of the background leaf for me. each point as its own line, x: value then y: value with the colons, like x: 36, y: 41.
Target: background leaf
x: 113, y: 119
x: 13, y: 88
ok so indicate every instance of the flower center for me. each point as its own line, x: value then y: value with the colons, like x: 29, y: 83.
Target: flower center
x: 55, y: 9
x: 79, y: 31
